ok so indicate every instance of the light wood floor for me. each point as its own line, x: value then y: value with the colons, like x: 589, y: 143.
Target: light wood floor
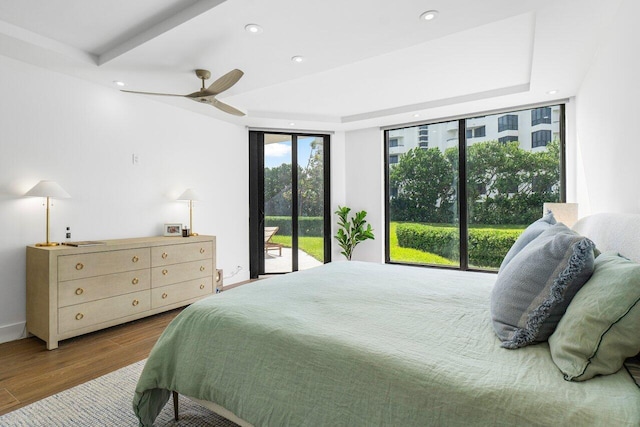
x: 29, y: 372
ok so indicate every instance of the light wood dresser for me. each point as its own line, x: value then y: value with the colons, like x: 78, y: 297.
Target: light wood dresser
x: 75, y: 290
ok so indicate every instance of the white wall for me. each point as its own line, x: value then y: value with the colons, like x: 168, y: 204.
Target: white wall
x: 364, y: 188
x: 338, y: 189
x: 83, y: 136
x: 607, y: 115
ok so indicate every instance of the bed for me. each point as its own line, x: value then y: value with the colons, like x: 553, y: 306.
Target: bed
x: 362, y: 344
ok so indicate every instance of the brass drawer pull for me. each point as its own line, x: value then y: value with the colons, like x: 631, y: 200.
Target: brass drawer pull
x: 165, y: 255
x: 79, y: 291
x: 79, y: 316
x: 135, y: 302
x: 135, y: 259
x: 202, y: 268
x: 217, y: 276
x: 79, y: 266
x: 165, y: 272
x: 201, y: 286
x: 164, y: 296
x: 201, y: 250
x: 135, y: 281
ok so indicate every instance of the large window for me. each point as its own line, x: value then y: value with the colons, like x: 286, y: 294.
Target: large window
x: 508, y: 122
x: 508, y: 138
x: 476, y: 132
x: 463, y: 202
x: 540, y: 138
x: 540, y: 115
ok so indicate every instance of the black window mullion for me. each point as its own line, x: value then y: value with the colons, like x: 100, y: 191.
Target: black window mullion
x: 256, y: 203
x: 294, y: 203
x: 387, y: 203
x: 462, y: 195
x: 326, y: 150
x: 563, y: 157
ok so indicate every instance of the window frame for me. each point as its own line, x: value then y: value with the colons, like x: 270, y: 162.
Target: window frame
x: 538, y: 116
x: 462, y: 180
x: 537, y: 141
x: 508, y: 122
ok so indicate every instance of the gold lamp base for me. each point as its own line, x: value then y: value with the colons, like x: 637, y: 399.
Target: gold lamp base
x: 46, y: 244
x: 193, y: 234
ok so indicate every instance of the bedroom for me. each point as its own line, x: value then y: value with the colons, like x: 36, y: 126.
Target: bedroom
x: 82, y: 134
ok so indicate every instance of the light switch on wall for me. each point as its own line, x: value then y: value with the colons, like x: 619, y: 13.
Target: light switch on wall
x: 135, y: 159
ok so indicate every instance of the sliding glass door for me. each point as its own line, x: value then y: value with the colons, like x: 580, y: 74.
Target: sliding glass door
x: 289, y: 202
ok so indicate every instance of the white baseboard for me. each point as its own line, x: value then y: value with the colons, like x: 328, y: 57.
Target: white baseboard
x: 13, y: 332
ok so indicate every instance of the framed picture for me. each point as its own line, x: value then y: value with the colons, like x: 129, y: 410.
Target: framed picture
x: 173, y: 230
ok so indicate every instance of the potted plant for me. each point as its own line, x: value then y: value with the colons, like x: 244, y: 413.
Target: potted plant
x: 352, y: 231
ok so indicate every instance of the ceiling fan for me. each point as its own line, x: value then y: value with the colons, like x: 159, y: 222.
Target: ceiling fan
x: 208, y: 95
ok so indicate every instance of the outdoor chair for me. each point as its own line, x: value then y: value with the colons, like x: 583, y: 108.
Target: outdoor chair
x: 269, y: 232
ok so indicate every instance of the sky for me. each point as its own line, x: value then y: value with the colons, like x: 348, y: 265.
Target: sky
x: 278, y: 153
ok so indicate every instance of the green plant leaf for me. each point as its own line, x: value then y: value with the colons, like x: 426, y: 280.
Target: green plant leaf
x: 351, y: 231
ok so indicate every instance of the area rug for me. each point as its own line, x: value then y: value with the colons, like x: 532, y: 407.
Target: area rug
x: 106, y: 401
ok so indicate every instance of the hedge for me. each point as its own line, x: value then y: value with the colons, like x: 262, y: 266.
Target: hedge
x: 487, y: 246
x: 312, y: 226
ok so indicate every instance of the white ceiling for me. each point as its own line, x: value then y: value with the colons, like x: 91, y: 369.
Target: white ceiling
x: 367, y: 62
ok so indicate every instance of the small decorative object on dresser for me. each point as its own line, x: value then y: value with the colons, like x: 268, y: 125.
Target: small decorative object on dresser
x: 75, y: 290
x: 173, y: 230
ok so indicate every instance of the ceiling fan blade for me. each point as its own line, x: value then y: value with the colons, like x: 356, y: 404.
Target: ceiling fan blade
x: 226, y: 108
x: 150, y: 93
x: 224, y: 82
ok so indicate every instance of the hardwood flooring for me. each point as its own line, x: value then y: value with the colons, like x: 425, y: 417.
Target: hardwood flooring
x: 29, y: 372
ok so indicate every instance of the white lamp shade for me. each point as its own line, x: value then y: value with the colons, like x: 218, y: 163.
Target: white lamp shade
x: 566, y: 213
x: 189, y: 194
x: 48, y: 189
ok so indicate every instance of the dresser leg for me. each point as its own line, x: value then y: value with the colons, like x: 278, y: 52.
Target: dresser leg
x: 175, y: 405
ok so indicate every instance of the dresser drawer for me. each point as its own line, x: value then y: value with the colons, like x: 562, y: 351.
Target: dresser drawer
x: 181, y: 292
x: 169, y: 274
x: 98, y: 263
x: 174, y: 254
x: 93, y: 288
x: 94, y: 312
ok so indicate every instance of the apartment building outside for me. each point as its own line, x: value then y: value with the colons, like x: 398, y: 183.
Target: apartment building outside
x: 533, y: 129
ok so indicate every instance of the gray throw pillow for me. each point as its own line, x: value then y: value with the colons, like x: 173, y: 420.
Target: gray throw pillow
x: 531, y: 232
x: 601, y: 327
x: 533, y: 291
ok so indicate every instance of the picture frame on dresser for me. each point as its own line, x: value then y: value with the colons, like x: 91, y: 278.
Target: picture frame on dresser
x: 173, y: 230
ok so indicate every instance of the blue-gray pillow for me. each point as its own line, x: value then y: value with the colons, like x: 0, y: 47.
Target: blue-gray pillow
x: 531, y: 232
x: 533, y: 291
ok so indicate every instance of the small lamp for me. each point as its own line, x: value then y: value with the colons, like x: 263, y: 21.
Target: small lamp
x: 48, y: 189
x: 190, y: 195
x: 566, y: 213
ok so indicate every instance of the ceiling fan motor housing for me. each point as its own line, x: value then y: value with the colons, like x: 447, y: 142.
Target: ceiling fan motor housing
x: 203, y: 74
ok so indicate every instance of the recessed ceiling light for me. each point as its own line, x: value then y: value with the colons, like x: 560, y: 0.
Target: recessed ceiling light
x: 416, y: 115
x: 552, y: 92
x: 292, y: 124
x: 429, y: 15
x: 297, y: 58
x: 253, y: 28
x: 118, y: 83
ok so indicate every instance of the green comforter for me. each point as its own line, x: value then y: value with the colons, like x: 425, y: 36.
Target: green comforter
x: 360, y: 344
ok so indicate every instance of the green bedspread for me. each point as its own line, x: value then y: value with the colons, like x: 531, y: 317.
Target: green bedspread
x: 361, y: 344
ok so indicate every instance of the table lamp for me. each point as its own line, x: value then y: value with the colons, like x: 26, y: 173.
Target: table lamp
x: 566, y: 213
x: 48, y: 189
x: 190, y: 195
